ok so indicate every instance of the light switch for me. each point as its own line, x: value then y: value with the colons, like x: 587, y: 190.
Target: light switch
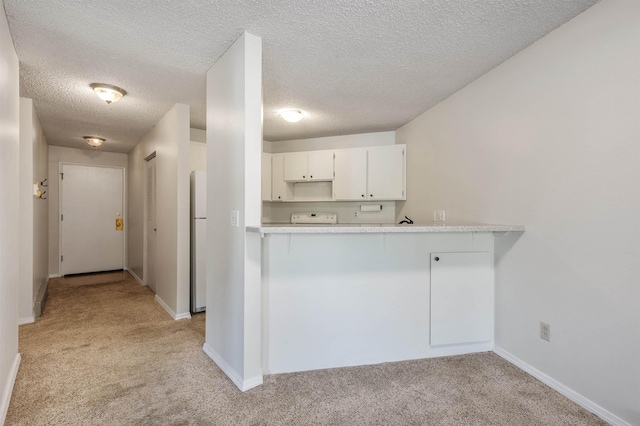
x: 235, y: 218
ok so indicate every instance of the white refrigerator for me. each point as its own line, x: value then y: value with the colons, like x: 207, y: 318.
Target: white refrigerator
x: 198, y: 241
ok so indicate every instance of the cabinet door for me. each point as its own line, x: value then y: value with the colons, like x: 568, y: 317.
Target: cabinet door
x: 266, y: 177
x: 350, y: 182
x: 461, y: 298
x: 386, y: 174
x: 320, y: 165
x: 295, y: 167
x: 278, y: 185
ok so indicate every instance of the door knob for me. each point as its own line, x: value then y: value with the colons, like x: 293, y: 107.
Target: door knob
x: 436, y: 258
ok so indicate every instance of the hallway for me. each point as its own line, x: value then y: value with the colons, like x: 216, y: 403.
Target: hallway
x: 104, y: 352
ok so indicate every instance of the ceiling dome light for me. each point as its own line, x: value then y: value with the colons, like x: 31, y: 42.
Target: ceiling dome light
x: 94, y: 141
x: 292, y: 115
x: 107, y: 92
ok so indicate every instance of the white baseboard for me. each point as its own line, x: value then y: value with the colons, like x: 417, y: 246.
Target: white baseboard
x: 170, y: 311
x: 243, y: 385
x: 136, y: 277
x: 562, y: 389
x: 26, y: 320
x: 53, y: 276
x: 186, y: 315
x: 8, y: 389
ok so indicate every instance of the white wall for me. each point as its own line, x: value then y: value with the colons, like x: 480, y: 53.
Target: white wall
x: 197, y: 135
x: 198, y: 150
x: 549, y: 139
x: 169, y: 138
x: 60, y: 154
x: 234, y: 149
x: 9, y: 214
x: 331, y: 142
x: 197, y: 156
x: 34, y: 221
x: 25, y: 302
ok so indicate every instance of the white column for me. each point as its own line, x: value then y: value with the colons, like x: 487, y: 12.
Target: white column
x: 234, y: 147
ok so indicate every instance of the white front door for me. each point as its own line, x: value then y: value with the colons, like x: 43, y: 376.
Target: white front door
x: 91, y: 204
x: 150, y: 209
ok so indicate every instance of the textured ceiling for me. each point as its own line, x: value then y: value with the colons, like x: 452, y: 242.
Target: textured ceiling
x: 355, y: 66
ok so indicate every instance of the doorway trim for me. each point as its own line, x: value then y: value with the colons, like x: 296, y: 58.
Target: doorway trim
x: 145, y: 236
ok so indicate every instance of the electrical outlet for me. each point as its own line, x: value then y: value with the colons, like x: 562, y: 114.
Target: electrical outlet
x: 355, y: 214
x: 441, y: 215
x: 545, y: 331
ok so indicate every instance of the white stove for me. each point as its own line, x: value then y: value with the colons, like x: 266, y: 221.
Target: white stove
x: 314, y: 218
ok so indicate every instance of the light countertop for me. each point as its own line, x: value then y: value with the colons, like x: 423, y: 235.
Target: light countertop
x: 354, y: 228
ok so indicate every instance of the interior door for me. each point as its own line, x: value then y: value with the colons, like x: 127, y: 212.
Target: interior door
x: 91, y: 205
x: 151, y: 224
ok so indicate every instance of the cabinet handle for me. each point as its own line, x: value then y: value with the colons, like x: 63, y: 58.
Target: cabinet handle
x: 362, y: 195
x: 311, y: 177
x: 278, y: 197
x: 436, y: 258
x: 303, y: 177
x: 371, y: 195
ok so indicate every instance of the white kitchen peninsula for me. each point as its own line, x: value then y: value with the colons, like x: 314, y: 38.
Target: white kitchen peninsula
x: 343, y: 295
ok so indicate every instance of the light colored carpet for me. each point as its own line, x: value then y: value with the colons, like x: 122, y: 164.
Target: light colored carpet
x: 105, y: 353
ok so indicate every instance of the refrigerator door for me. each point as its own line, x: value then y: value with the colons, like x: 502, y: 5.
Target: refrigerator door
x: 199, y: 265
x: 198, y: 194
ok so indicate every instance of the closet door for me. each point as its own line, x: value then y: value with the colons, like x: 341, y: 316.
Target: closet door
x: 151, y: 224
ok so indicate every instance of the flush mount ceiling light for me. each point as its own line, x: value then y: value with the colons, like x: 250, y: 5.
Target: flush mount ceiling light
x: 107, y: 92
x: 292, y: 115
x: 93, y: 140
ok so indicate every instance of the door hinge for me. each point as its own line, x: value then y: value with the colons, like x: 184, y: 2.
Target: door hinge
x: 61, y: 258
x: 334, y: 155
x: 61, y: 176
x: 403, y: 193
x: 61, y: 217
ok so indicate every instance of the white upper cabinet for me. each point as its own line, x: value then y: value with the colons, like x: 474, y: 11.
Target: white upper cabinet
x: 356, y: 174
x: 308, y: 166
x: 375, y: 173
x: 386, y: 172
x: 320, y: 165
x: 350, y: 182
x: 278, y: 185
x: 266, y: 177
x: 295, y: 167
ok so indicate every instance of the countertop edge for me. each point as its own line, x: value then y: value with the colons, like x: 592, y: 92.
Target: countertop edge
x: 382, y: 229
